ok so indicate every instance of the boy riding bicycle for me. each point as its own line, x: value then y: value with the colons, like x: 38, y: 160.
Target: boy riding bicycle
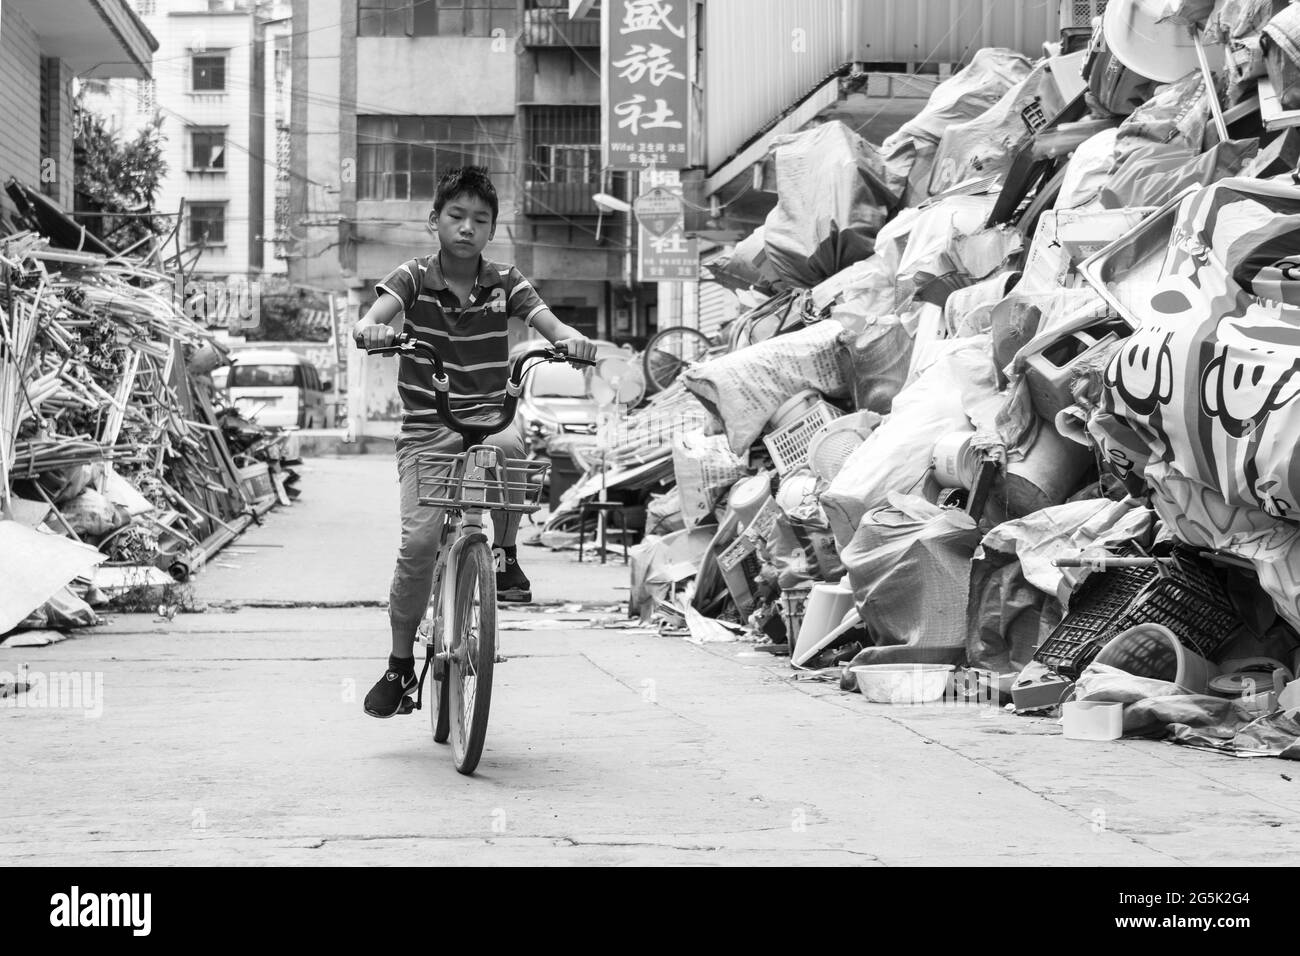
x: 460, y: 303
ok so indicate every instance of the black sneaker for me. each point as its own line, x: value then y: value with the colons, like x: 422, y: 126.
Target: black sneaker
x: 385, y: 698
x: 513, y: 586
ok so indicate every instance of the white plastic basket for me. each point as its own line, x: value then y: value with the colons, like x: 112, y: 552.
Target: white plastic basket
x: 788, y: 445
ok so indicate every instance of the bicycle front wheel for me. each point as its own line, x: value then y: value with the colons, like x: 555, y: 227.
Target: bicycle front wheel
x: 473, y: 620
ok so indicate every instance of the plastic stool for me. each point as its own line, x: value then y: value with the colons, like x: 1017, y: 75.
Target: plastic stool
x: 601, y: 508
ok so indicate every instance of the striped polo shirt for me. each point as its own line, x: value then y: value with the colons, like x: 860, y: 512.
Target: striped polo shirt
x: 471, y: 338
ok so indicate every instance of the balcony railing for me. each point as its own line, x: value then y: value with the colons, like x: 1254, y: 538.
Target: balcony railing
x: 560, y: 199
x: 548, y: 27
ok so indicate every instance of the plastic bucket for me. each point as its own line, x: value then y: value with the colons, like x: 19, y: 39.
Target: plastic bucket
x: 1050, y: 472
x: 1152, y: 650
x: 793, y: 408
x: 749, y: 495
x: 955, y: 464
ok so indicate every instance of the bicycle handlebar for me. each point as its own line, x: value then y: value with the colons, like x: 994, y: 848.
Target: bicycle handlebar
x: 408, y: 343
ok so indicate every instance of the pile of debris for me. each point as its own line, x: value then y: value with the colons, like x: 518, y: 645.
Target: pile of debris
x: 117, y: 474
x: 1026, y: 419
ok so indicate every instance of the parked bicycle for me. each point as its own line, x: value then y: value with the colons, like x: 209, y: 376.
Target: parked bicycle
x: 459, y: 631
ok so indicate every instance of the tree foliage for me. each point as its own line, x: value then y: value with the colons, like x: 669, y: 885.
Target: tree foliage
x: 117, y: 176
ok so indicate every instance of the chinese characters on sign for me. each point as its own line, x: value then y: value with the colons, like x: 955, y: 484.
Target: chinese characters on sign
x: 644, y: 66
x: 669, y: 257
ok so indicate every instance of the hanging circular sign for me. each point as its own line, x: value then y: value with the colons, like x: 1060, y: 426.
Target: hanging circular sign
x: 658, y: 210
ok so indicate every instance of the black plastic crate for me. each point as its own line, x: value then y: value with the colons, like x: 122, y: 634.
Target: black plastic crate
x: 1184, y: 595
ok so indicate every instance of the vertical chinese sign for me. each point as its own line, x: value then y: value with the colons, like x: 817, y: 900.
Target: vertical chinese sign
x: 647, y: 94
x: 666, y: 255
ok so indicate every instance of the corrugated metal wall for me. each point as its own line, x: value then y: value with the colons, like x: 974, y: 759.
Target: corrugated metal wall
x: 759, y: 57
x: 763, y: 55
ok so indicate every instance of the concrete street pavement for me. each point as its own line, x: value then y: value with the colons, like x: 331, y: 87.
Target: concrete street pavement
x: 236, y: 736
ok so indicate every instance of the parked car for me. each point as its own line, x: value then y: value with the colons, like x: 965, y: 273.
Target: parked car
x: 556, y: 399
x: 277, y: 387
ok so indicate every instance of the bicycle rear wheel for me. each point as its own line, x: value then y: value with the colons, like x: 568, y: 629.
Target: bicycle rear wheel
x: 473, y: 620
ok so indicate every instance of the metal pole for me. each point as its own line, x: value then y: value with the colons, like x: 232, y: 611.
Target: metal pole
x: 1215, y: 108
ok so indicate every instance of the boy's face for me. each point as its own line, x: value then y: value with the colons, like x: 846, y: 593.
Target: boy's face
x: 465, y: 226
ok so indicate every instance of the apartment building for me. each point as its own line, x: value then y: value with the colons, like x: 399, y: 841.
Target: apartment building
x: 44, y: 45
x: 221, y: 85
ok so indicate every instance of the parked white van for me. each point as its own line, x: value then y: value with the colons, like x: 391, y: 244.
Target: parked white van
x: 276, y: 387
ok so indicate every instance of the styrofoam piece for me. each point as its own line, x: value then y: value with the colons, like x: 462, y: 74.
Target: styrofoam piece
x: 1093, y: 719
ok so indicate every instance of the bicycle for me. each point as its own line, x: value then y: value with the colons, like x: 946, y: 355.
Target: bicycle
x: 459, y: 628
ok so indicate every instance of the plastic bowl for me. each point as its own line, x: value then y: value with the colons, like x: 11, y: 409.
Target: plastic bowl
x: 902, y: 683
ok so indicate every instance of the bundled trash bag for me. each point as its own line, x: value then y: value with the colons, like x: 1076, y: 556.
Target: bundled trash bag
x: 834, y: 193
x: 1209, y: 382
x: 1155, y: 173
x: 909, y: 567
x: 658, y: 564
x: 866, y: 289
x: 948, y: 240
x: 704, y: 468
x: 1088, y: 170
x: 987, y: 144
x: 965, y: 95
x: 745, y: 388
x: 879, y: 357
x: 961, y: 385
x: 1176, y: 116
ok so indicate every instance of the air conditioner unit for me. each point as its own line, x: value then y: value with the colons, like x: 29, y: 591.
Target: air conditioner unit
x: 1080, y: 13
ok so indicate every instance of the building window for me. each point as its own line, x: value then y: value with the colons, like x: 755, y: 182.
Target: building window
x: 208, y: 224
x: 207, y: 150
x: 426, y: 18
x: 562, y: 169
x: 208, y: 72
x: 402, y: 157
x: 146, y: 96
x: 146, y: 8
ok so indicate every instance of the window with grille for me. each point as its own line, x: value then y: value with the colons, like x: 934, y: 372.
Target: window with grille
x: 208, y: 72
x: 426, y: 18
x: 282, y: 153
x: 547, y: 23
x: 207, y: 224
x: 402, y: 157
x: 146, y: 96
x: 146, y: 8
x: 562, y: 168
x: 208, y: 150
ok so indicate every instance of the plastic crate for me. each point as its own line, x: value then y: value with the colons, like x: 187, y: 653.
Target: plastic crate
x: 739, y: 566
x: 1187, y: 598
x: 793, y: 602
x: 788, y: 445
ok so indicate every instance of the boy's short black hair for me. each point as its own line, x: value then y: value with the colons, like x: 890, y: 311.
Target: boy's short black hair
x: 471, y: 180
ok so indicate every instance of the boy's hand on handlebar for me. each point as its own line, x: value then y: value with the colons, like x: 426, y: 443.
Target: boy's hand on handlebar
x: 373, y: 336
x: 579, y: 347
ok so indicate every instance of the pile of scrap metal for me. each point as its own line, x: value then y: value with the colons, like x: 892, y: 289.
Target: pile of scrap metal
x: 117, y: 474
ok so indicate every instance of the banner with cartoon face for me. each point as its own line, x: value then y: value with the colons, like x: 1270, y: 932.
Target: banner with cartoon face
x: 1209, y: 382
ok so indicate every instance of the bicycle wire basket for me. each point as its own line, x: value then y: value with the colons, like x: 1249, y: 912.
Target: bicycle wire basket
x: 1184, y: 595
x: 512, y: 484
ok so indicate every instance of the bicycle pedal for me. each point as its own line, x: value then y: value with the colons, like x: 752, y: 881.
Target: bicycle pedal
x: 407, y: 705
